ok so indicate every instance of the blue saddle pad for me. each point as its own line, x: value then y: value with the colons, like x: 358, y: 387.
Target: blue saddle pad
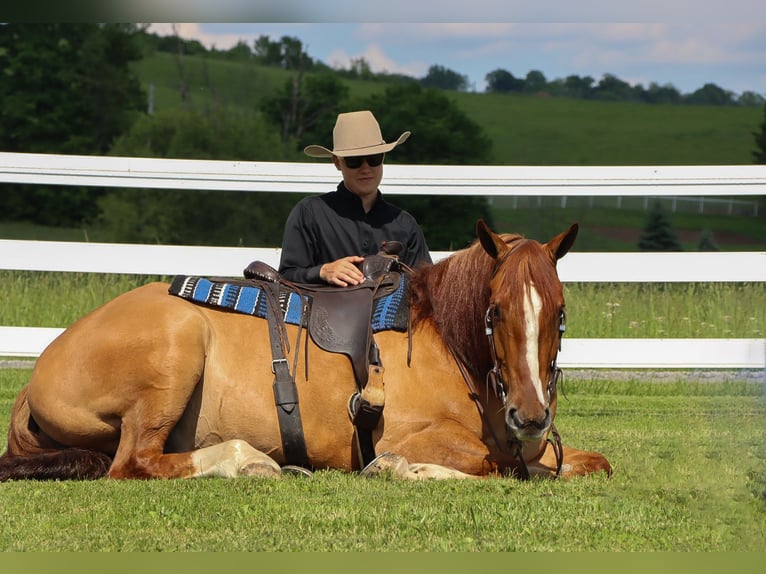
x: 389, y: 312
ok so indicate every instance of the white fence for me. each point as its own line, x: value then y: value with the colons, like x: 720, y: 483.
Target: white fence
x: 493, y: 181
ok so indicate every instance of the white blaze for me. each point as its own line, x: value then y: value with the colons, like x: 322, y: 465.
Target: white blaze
x: 533, y: 304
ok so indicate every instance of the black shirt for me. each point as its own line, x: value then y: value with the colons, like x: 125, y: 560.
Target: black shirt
x: 324, y: 228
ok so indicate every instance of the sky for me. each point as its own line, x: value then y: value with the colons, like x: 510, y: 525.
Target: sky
x: 685, y: 52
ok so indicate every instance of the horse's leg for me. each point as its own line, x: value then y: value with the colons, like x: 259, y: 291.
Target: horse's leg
x: 396, y: 465
x: 146, y: 427
x: 575, y: 463
x: 228, y: 459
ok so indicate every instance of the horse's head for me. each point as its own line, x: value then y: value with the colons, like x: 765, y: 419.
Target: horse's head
x: 524, y: 322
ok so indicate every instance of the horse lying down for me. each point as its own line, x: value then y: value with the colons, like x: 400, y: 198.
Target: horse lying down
x: 151, y: 385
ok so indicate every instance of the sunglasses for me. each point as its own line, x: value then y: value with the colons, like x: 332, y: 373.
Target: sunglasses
x: 355, y: 162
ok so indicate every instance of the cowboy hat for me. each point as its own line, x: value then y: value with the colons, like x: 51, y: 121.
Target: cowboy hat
x: 355, y: 133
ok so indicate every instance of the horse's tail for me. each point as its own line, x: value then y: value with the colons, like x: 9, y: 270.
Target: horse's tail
x: 32, y: 455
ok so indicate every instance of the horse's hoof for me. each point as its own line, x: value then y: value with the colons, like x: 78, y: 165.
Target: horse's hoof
x: 293, y: 470
x: 260, y: 469
x: 388, y: 462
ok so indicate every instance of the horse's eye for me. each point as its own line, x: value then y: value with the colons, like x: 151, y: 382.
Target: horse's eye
x: 496, y: 312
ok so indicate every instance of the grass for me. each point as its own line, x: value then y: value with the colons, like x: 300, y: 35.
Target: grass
x: 533, y: 130
x: 48, y: 299
x: 688, y: 460
x: 604, y: 229
x: 524, y: 129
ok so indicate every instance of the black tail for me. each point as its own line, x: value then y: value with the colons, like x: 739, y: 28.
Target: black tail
x: 65, y: 464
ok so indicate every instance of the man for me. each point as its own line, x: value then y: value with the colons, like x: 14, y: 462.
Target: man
x: 326, y: 236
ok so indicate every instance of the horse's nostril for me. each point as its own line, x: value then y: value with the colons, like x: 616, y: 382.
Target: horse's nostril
x: 514, y: 421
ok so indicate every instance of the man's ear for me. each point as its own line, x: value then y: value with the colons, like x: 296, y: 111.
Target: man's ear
x: 336, y: 161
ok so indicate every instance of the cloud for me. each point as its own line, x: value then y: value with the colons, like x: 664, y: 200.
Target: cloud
x: 378, y: 61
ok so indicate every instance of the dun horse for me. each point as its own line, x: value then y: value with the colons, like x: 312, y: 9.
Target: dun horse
x: 155, y: 386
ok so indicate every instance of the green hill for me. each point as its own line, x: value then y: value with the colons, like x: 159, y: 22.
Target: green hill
x: 525, y: 129
x: 540, y: 130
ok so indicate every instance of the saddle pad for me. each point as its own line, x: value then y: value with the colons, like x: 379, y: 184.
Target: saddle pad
x: 389, y: 313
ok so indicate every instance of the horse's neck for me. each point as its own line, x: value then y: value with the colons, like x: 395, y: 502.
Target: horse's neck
x: 458, y: 294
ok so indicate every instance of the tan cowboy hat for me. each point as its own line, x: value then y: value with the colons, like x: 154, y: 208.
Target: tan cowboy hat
x: 355, y: 133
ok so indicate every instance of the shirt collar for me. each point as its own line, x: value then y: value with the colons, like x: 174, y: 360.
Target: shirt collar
x: 347, y: 195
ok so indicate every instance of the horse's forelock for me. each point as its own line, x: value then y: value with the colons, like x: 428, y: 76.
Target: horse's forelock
x: 528, y: 264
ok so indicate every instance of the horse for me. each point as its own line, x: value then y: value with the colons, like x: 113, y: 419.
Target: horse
x: 150, y: 386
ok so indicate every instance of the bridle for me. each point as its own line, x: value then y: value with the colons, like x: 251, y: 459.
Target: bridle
x: 495, y: 381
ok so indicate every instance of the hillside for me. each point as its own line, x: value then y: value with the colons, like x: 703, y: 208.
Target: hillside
x: 539, y: 130
x: 525, y: 130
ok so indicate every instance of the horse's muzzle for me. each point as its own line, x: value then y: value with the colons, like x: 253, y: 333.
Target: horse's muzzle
x: 527, y: 428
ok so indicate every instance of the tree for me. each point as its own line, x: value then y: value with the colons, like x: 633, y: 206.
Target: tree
x: 444, y: 79
x: 441, y: 134
x: 197, y: 217
x: 759, y: 155
x: 66, y: 88
x: 706, y: 241
x: 287, y: 53
x: 749, y: 98
x: 612, y: 88
x: 535, y: 82
x: 577, y: 87
x: 711, y: 95
x: 666, y: 94
x: 306, y: 107
x: 657, y: 234
x: 502, y: 81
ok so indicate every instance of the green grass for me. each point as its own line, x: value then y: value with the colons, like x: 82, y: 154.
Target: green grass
x: 604, y: 229
x: 530, y: 130
x: 688, y: 460
x: 525, y: 130
x: 48, y: 299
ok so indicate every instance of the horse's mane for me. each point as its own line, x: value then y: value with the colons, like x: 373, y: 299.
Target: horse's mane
x: 454, y: 293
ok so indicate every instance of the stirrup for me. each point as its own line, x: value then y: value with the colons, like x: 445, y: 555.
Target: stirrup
x: 295, y: 470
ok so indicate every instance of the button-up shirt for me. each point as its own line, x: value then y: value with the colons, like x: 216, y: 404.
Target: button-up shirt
x: 325, y: 228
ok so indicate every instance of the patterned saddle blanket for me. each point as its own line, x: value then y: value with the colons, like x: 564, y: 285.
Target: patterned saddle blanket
x: 389, y: 312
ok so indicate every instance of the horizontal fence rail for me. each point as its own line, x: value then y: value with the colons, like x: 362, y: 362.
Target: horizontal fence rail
x: 29, y: 342
x: 485, y: 180
x: 490, y: 181
x: 743, y: 266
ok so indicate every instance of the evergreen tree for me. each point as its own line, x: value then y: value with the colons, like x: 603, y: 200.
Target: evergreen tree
x: 706, y: 242
x: 657, y: 234
x: 759, y: 155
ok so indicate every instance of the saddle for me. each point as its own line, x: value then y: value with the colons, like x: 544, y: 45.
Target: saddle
x: 339, y: 317
x: 339, y: 321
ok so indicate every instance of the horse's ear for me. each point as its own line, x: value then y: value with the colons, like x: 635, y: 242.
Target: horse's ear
x: 490, y: 241
x: 562, y: 243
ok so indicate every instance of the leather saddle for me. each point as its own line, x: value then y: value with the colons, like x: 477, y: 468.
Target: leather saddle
x: 340, y: 318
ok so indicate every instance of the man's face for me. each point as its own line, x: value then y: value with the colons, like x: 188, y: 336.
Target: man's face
x: 362, y: 181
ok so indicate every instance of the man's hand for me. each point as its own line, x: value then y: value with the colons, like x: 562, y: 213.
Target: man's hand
x: 342, y: 272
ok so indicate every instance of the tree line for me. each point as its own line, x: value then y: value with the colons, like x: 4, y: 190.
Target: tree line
x: 70, y: 89
x: 286, y: 51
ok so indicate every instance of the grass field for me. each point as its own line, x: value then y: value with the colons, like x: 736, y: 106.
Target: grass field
x: 39, y: 299
x: 524, y: 129
x: 688, y: 451
x: 689, y: 476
